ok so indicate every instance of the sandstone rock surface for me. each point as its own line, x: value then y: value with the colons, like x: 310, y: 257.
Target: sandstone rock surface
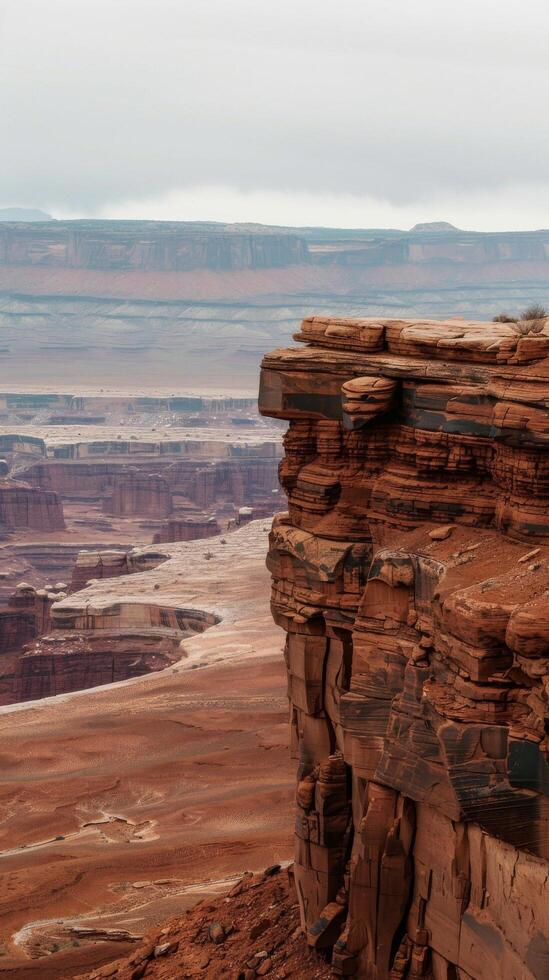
x: 139, y: 494
x: 416, y: 465
x: 25, y: 506
x: 187, y: 529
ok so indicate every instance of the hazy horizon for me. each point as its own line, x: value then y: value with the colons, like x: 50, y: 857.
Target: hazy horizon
x: 204, y: 220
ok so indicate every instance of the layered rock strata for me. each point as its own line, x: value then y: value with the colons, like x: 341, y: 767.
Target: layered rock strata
x: 187, y: 529
x: 128, y: 488
x: 27, y: 614
x: 25, y: 506
x: 139, y: 494
x: 411, y: 576
x: 111, y: 631
x: 92, y: 565
x: 151, y: 245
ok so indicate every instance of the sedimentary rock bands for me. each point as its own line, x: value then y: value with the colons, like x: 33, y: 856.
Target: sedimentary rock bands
x: 410, y: 574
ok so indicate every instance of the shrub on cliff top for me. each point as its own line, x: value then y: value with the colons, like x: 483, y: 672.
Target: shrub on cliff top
x: 534, y: 312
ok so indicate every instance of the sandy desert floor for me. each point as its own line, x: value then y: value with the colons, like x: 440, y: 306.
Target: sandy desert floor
x: 122, y: 806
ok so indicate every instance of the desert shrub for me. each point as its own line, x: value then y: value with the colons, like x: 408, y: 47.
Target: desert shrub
x: 504, y: 318
x: 534, y: 312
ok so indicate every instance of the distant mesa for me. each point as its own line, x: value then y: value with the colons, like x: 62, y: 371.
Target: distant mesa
x: 436, y: 226
x: 24, y: 214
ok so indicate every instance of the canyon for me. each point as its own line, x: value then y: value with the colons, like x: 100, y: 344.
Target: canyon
x: 148, y: 800
x: 198, y: 303
x: 116, y: 492
x: 78, y: 505
x: 125, y: 805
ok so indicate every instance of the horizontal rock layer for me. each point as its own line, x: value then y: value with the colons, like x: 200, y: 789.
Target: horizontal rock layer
x: 25, y: 506
x: 411, y: 576
x: 148, y: 245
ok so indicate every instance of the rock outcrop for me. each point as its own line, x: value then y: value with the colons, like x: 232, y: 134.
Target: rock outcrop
x: 91, y: 565
x: 151, y: 245
x: 27, y: 615
x: 187, y: 529
x: 411, y: 576
x: 132, y: 623
x: 237, y: 475
x: 25, y: 506
x: 139, y: 494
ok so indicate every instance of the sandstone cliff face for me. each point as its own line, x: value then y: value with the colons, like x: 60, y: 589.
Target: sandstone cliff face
x: 240, y: 480
x: 27, y: 615
x: 150, y: 245
x: 187, y: 529
x: 90, y: 565
x: 139, y: 494
x: 24, y: 506
x: 411, y: 576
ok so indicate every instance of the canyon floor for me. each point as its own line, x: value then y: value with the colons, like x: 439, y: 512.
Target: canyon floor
x: 122, y: 806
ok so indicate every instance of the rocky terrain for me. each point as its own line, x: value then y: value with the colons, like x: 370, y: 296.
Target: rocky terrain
x: 253, y: 931
x: 78, y: 504
x: 189, y: 304
x: 124, y: 806
x: 411, y: 576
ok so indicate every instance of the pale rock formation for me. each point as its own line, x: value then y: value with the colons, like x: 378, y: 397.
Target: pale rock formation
x: 186, y: 529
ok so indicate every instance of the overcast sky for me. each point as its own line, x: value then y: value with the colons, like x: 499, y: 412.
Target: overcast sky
x: 358, y: 113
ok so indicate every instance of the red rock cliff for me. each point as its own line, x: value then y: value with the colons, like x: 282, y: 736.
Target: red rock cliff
x: 140, y: 494
x: 24, y: 506
x: 411, y: 576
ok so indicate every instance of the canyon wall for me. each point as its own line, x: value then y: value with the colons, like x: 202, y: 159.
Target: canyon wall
x: 126, y: 619
x: 187, y: 529
x: 239, y: 480
x: 411, y: 577
x: 198, y: 305
x: 147, y: 245
x: 91, y: 565
x: 25, y: 506
x: 135, y: 493
x: 27, y: 615
x: 244, y: 476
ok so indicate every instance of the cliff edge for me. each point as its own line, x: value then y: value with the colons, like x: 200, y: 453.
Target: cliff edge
x: 411, y: 577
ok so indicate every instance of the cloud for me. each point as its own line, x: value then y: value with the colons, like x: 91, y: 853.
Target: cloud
x: 406, y: 108
x: 498, y: 210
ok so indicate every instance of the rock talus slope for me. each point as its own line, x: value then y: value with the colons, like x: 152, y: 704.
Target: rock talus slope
x: 411, y: 576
